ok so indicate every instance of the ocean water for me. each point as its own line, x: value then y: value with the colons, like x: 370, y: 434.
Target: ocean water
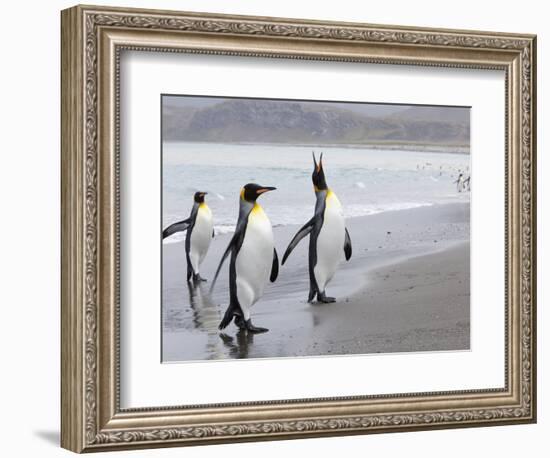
x: 367, y: 181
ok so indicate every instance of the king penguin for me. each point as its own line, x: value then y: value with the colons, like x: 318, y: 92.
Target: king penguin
x: 253, y: 259
x: 460, y: 182
x: 328, y: 236
x: 200, y: 231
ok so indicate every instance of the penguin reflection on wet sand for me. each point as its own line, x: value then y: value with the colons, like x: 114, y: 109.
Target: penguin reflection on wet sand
x: 328, y: 237
x: 253, y: 259
x: 240, y: 345
x: 200, y: 231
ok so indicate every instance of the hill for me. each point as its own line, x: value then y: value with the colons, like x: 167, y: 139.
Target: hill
x: 273, y: 121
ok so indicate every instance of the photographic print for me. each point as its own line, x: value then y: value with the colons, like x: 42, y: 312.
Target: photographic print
x: 321, y: 229
x: 295, y: 228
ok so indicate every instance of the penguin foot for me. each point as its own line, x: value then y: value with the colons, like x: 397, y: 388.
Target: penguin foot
x: 239, y: 322
x: 254, y: 329
x: 197, y: 278
x: 325, y: 299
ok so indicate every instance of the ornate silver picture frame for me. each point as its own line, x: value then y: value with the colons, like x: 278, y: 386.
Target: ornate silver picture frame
x: 93, y: 39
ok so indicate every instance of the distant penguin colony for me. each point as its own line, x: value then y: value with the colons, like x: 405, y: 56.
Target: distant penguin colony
x: 253, y: 257
x: 462, y: 184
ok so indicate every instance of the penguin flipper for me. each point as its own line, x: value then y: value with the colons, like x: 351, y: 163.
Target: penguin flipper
x: 274, y: 267
x: 234, y: 244
x: 305, y: 230
x: 222, y: 260
x: 347, y: 246
x: 176, y: 227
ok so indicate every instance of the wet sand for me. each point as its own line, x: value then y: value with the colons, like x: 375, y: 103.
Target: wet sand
x: 406, y: 288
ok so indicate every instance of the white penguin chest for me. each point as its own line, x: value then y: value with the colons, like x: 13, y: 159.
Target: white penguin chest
x: 255, y: 258
x: 330, y: 241
x: 201, y: 236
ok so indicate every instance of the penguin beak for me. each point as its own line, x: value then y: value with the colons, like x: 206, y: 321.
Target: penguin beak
x: 315, y: 162
x: 318, y: 166
x: 265, y: 189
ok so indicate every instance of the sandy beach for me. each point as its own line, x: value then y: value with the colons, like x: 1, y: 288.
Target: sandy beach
x: 406, y: 288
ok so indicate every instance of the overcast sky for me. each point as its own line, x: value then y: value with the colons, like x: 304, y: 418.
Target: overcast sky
x: 368, y: 109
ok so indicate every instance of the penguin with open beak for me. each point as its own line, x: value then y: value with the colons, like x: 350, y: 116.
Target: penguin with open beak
x: 200, y: 231
x: 253, y: 260
x: 328, y: 236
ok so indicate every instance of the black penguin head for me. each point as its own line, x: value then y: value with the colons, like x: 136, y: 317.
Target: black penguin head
x: 252, y: 191
x: 199, y: 197
x: 318, y: 175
